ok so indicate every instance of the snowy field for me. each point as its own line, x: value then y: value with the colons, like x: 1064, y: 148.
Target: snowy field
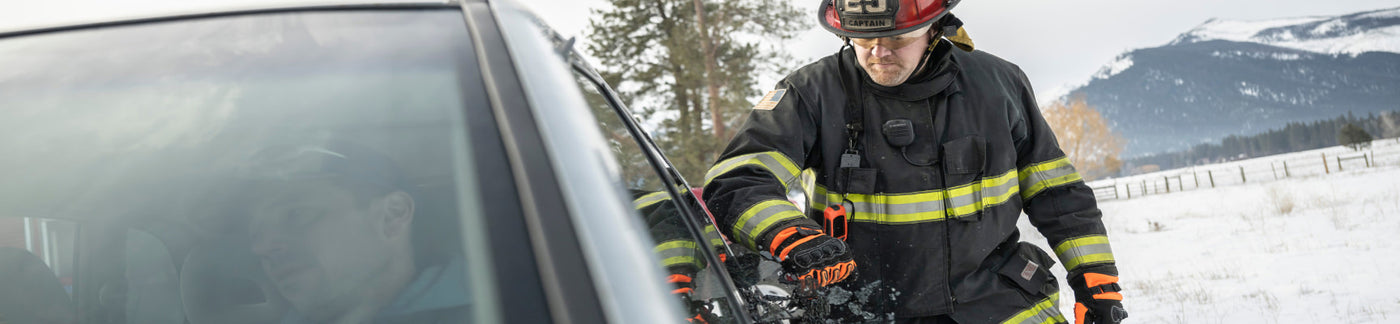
x: 1382, y: 153
x: 1302, y: 249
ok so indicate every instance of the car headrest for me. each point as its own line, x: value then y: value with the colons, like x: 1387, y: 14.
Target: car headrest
x: 29, y: 291
x: 221, y: 284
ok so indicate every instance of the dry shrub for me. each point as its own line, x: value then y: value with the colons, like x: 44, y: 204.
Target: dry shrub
x: 1155, y: 226
x: 1282, y: 201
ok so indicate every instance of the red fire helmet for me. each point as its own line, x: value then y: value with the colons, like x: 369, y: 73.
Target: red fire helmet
x: 880, y: 18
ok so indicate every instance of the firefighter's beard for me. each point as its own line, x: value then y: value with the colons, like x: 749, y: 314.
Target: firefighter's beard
x: 888, y: 71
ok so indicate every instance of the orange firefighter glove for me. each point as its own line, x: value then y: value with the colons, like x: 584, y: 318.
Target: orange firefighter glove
x: 685, y: 289
x: 1097, y: 298
x: 812, y: 255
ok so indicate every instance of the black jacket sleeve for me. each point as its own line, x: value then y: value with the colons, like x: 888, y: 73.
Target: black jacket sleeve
x: 746, y: 189
x: 1055, y: 197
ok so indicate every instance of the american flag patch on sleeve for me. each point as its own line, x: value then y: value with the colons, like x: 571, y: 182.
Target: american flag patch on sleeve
x: 770, y: 100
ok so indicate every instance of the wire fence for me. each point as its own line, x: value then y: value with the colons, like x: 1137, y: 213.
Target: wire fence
x: 1319, y: 162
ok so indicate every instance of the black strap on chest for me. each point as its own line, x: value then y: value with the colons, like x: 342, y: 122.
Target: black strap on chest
x: 835, y: 216
x: 854, y: 112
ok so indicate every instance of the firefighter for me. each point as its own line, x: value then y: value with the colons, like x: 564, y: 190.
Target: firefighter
x: 679, y: 252
x: 925, y: 154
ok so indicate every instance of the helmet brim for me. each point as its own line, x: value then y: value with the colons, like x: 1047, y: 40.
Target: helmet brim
x: 826, y: 9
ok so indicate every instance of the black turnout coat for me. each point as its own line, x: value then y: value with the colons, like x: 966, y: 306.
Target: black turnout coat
x: 932, y: 222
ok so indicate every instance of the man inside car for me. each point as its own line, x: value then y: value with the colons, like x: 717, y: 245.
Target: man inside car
x: 333, y: 227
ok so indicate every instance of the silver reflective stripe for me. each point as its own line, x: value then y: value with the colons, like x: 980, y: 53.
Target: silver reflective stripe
x: 1036, y: 178
x: 757, y: 219
x: 897, y: 213
x: 927, y: 206
x: 773, y: 162
x: 1084, y: 250
x: 715, y: 239
x: 1044, y: 311
x: 985, y: 193
x: 677, y: 252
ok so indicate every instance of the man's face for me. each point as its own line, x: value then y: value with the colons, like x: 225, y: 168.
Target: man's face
x: 891, y: 60
x: 320, y: 246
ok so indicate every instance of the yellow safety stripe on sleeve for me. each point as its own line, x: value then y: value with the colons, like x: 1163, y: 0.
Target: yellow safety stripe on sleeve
x: 1084, y: 250
x: 678, y: 252
x: 925, y: 206
x: 756, y: 220
x: 650, y: 199
x: 1045, y: 311
x: 1036, y: 178
x: 774, y: 162
x: 713, y: 235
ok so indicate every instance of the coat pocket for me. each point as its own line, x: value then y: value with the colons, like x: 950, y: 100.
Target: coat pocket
x: 965, y: 155
x: 1029, y: 269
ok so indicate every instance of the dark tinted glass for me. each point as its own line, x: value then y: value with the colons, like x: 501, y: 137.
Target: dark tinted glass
x: 283, y: 167
x: 694, y: 277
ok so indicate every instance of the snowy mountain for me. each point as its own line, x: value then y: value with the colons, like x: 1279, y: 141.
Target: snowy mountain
x: 1245, y: 77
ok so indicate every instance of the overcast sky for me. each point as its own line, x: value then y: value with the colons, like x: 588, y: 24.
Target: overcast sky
x: 1057, y: 43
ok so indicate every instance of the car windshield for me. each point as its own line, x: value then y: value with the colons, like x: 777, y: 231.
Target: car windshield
x: 275, y: 167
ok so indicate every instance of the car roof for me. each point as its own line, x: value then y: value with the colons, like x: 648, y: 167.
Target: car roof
x: 80, y: 18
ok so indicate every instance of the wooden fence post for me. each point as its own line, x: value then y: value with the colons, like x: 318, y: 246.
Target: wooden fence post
x: 1339, y: 163
x: 1285, y: 170
x: 1195, y: 179
x: 1211, y: 175
x: 1274, y: 171
x: 1127, y: 189
x: 1167, y: 184
x: 1324, y: 163
x: 1242, y: 179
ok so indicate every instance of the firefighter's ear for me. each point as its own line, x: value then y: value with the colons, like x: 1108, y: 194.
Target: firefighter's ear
x: 397, y: 211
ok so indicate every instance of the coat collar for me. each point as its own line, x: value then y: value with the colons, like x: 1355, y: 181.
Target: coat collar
x: 933, y: 81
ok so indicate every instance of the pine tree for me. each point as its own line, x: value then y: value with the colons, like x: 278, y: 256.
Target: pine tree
x: 692, y: 66
x: 1353, y: 136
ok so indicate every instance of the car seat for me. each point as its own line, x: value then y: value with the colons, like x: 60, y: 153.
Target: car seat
x: 30, y: 292
x: 226, y: 284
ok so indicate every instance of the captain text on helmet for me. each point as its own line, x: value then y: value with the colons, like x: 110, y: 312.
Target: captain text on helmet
x: 925, y: 154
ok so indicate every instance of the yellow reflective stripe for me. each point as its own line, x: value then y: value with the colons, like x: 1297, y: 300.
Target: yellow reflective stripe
x: 756, y: 220
x: 925, y: 206
x: 775, y: 163
x: 677, y: 252
x: 674, y: 244
x: 1038, y: 177
x: 650, y: 199
x: 715, y: 238
x: 681, y: 260
x: 1084, y: 250
x: 970, y: 199
x: 1045, y: 311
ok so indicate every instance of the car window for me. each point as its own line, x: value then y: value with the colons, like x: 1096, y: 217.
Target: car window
x: 152, y: 284
x: 274, y: 167
x: 37, y: 269
x: 694, y: 277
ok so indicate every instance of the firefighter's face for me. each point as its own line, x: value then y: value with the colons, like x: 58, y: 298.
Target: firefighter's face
x: 323, y: 247
x: 891, y: 60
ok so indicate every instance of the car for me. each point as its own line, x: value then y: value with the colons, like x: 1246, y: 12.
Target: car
x: 348, y: 161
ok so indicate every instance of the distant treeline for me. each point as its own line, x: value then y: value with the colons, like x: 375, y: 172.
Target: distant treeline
x: 1296, y: 136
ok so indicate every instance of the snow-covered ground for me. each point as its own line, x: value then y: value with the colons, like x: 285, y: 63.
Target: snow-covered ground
x: 1321, y: 248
